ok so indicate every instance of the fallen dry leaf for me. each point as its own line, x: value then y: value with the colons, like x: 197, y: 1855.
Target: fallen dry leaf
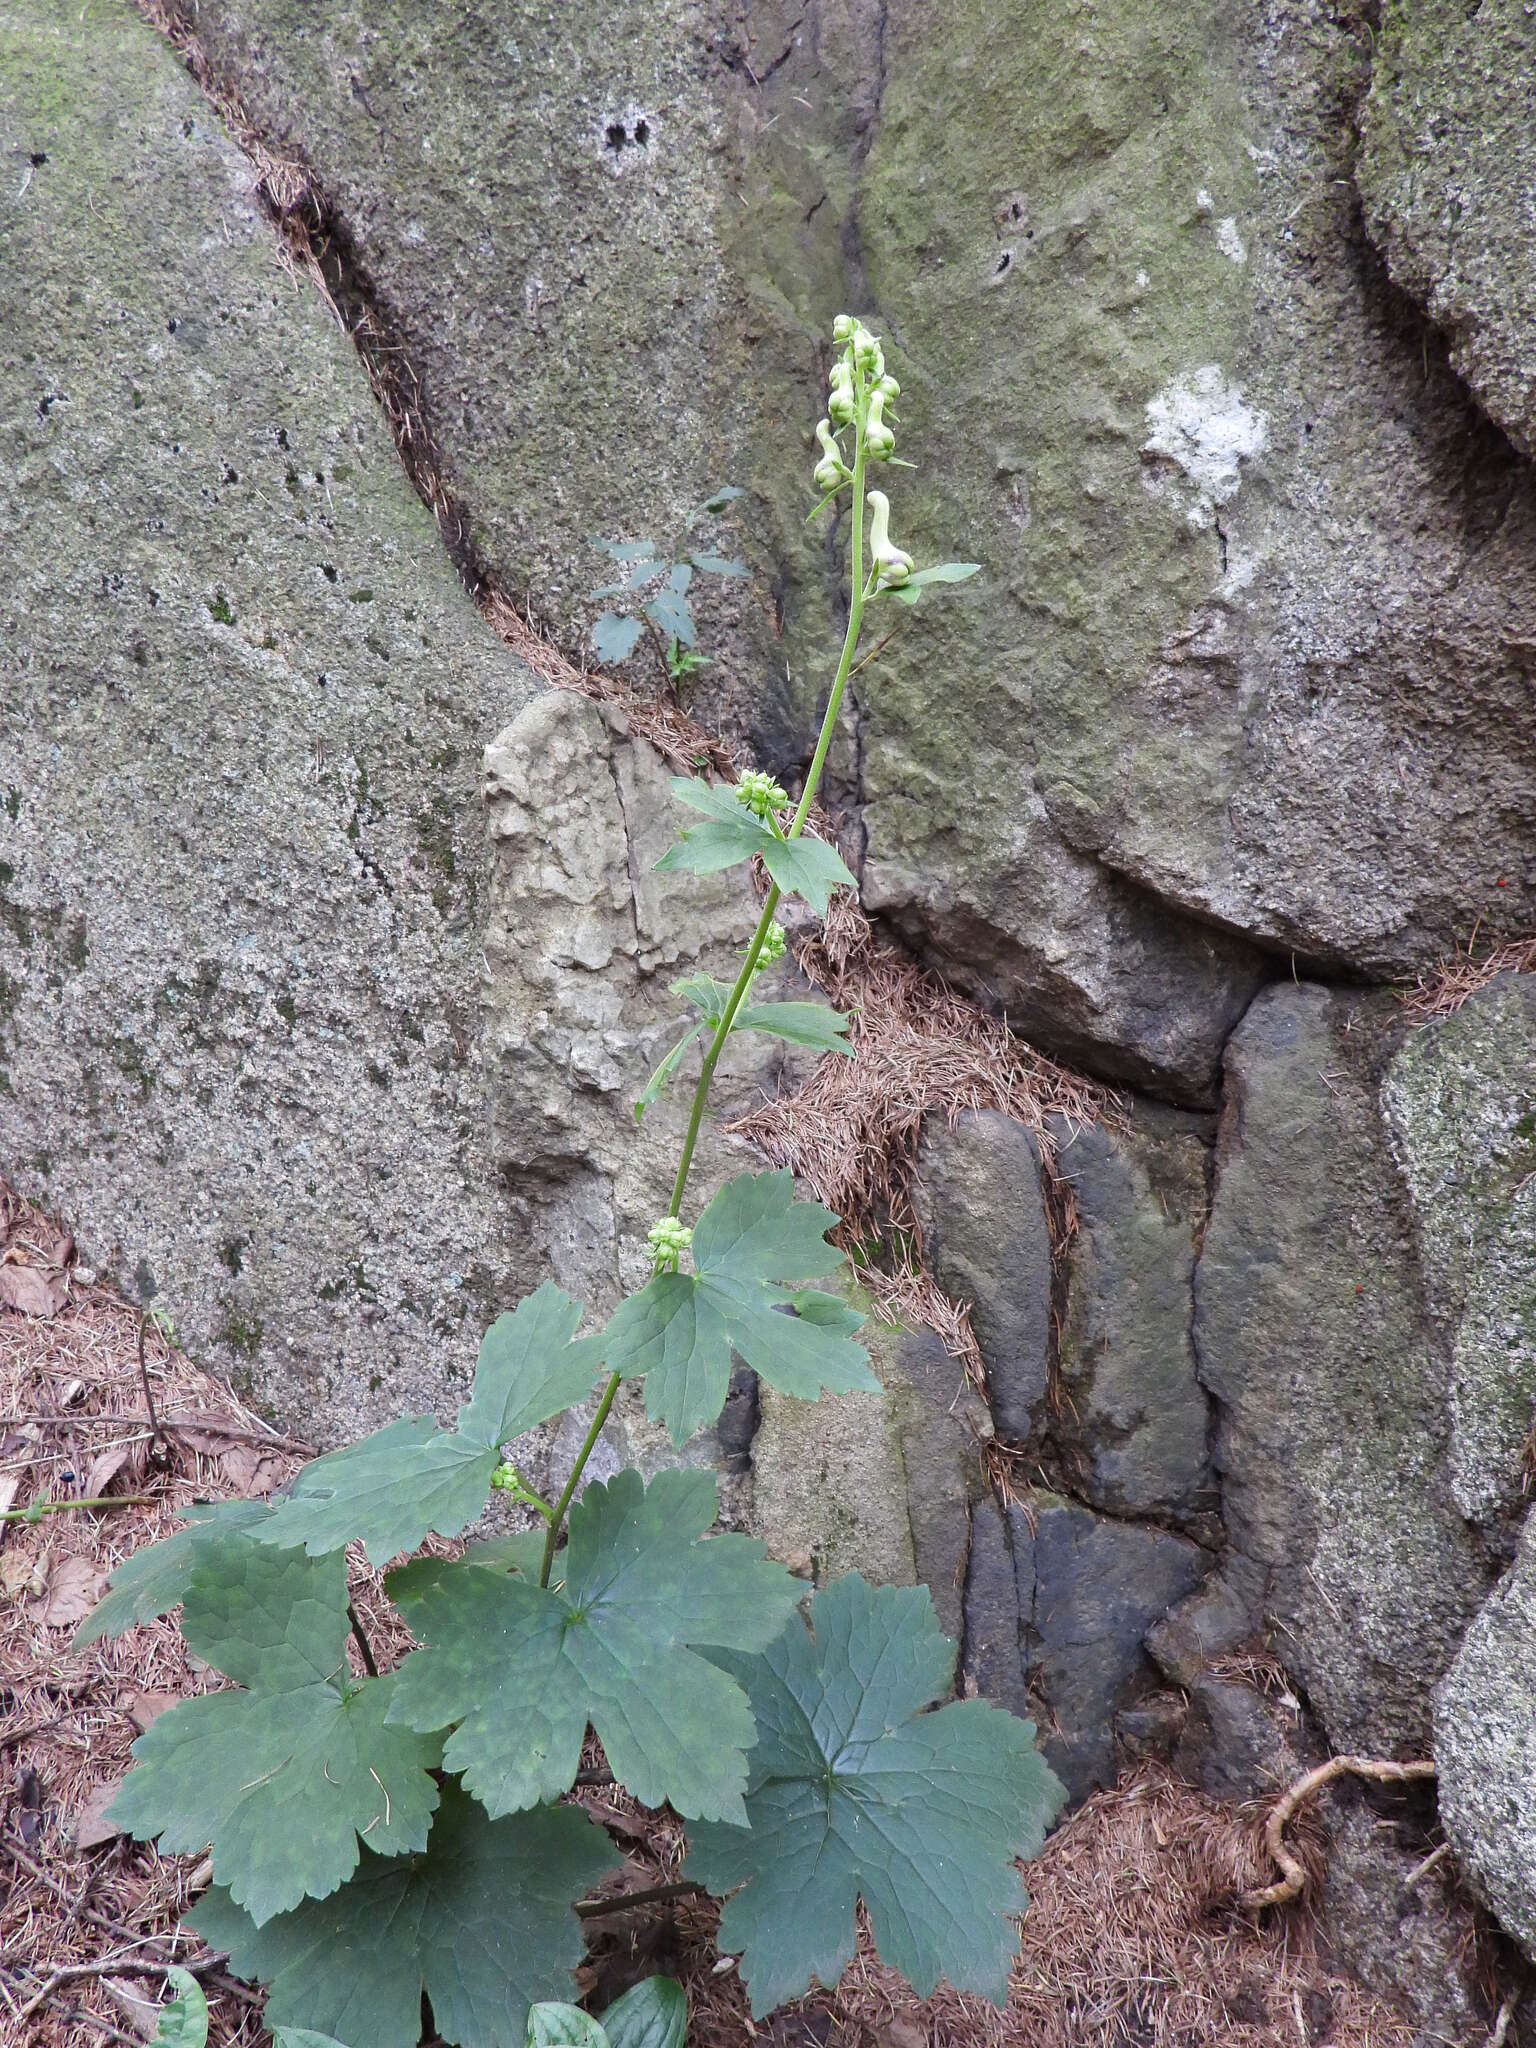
x: 107, y: 1464
x: 34, y: 1290
x: 74, y: 1587
x: 198, y: 1431
x: 91, y: 1827
x: 249, y: 1470
x: 15, y: 1573
x: 134, y: 2002
x: 142, y: 1707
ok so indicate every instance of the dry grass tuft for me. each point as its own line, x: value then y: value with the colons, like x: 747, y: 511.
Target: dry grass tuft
x: 852, y: 1131
x: 1443, y: 992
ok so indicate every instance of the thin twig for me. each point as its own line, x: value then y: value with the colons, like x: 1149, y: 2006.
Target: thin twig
x: 158, y: 1445
x: 1291, y: 1885
x: 117, y: 1966
x: 592, y: 1909
x: 231, y: 1432
x: 363, y: 1644
x: 1431, y: 1862
x: 39, y: 1508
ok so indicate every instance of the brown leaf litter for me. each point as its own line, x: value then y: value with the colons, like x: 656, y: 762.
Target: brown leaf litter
x: 1442, y: 992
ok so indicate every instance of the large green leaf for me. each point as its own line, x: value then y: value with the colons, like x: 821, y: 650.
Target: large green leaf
x: 651, y: 2014
x: 857, y: 1793
x: 681, y: 1329
x: 153, y: 1580
x: 282, y: 1784
x: 387, y: 1491
x: 270, y: 1618
x: 523, y: 1669
x: 532, y: 1365
x: 805, y: 866
x: 482, y: 1922
x: 392, y: 1488
x: 812, y: 1024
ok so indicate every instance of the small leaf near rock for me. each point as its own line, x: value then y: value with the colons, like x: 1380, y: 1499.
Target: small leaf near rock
x: 91, y: 1827
x: 39, y: 1291
x: 73, y: 1588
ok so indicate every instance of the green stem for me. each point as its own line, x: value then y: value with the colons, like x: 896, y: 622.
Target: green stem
x: 588, y: 1443
x: 744, y: 980
x: 39, y: 1508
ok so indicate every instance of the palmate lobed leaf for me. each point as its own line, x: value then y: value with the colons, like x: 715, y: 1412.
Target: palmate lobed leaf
x: 614, y: 638
x: 270, y: 1618
x: 282, y: 1785
x: 680, y: 1329
x: 857, y: 1793
x: 153, y: 1580
x: 523, y: 1669
x: 482, y: 1922
x: 806, y: 866
x: 814, y: 1024
x: 412, y: 1477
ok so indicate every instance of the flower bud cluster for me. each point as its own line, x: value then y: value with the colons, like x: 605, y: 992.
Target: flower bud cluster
x: 759, y: 793
x: 668, y: 1240
x: 860, y: 367
x: 773, y: 945
x: 507, y: 1479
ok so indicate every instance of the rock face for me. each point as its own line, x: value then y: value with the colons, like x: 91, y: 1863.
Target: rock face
x: 986, y: 1235
x: 240, y: 857
x: 1248, y: 668
x: 1448, y: 175
x: 1461, y: 1104
x: 1485, y: 1746
x: 1136, y: 1420
x: 1332, y: 1438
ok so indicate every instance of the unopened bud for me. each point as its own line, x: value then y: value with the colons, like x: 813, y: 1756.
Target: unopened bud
x: 842, y: 328
x: 668, y: 1240
x: 759, y: 793
x: 831, y: 470
x: 772, y: 946
x: 878, y: 438
x: 893, y: 566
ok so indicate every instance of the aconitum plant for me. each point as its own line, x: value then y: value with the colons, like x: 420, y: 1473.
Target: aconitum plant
x: 378, y: 1837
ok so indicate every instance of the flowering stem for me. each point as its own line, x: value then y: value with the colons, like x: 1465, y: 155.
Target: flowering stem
x: 744, y: 980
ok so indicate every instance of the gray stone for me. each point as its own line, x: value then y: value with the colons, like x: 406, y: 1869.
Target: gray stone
x: 994, y: 1649
x: 1312, y: 1334
x: 1089, y: 1589
x: 1149, y: 1733
x: 987, y: 1239
x: 1461, y: 1104
x: 1448, y: 174
x: 1416, y: 1945
x: 582, y: 942
x: 1234, y: 1744
x: 1485, y: 1748
x: 1248, y: 667
x: 881, y: 1484
x: 241, y: 860
x: 1136, y: 1418
x: 1221, y: 1613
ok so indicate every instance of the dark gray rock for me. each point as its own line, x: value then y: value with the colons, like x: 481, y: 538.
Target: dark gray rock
x: 242, y: 861
x: 1224, y: 1611
x: 994, y: 1648
x: 1089, y: 1589
x: 1234, y: 1743
x: 1150, y: 1732
x: 1313, y: 1336
x: 985, y: 1233
x: 1136, y: 1418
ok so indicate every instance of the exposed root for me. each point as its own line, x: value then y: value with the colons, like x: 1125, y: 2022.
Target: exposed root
x: 1291, y: 1885
x: 1443, y: 992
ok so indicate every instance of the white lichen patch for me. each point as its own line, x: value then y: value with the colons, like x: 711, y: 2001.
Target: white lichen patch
x: 1230, y: 242
x: 1199, y: 433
